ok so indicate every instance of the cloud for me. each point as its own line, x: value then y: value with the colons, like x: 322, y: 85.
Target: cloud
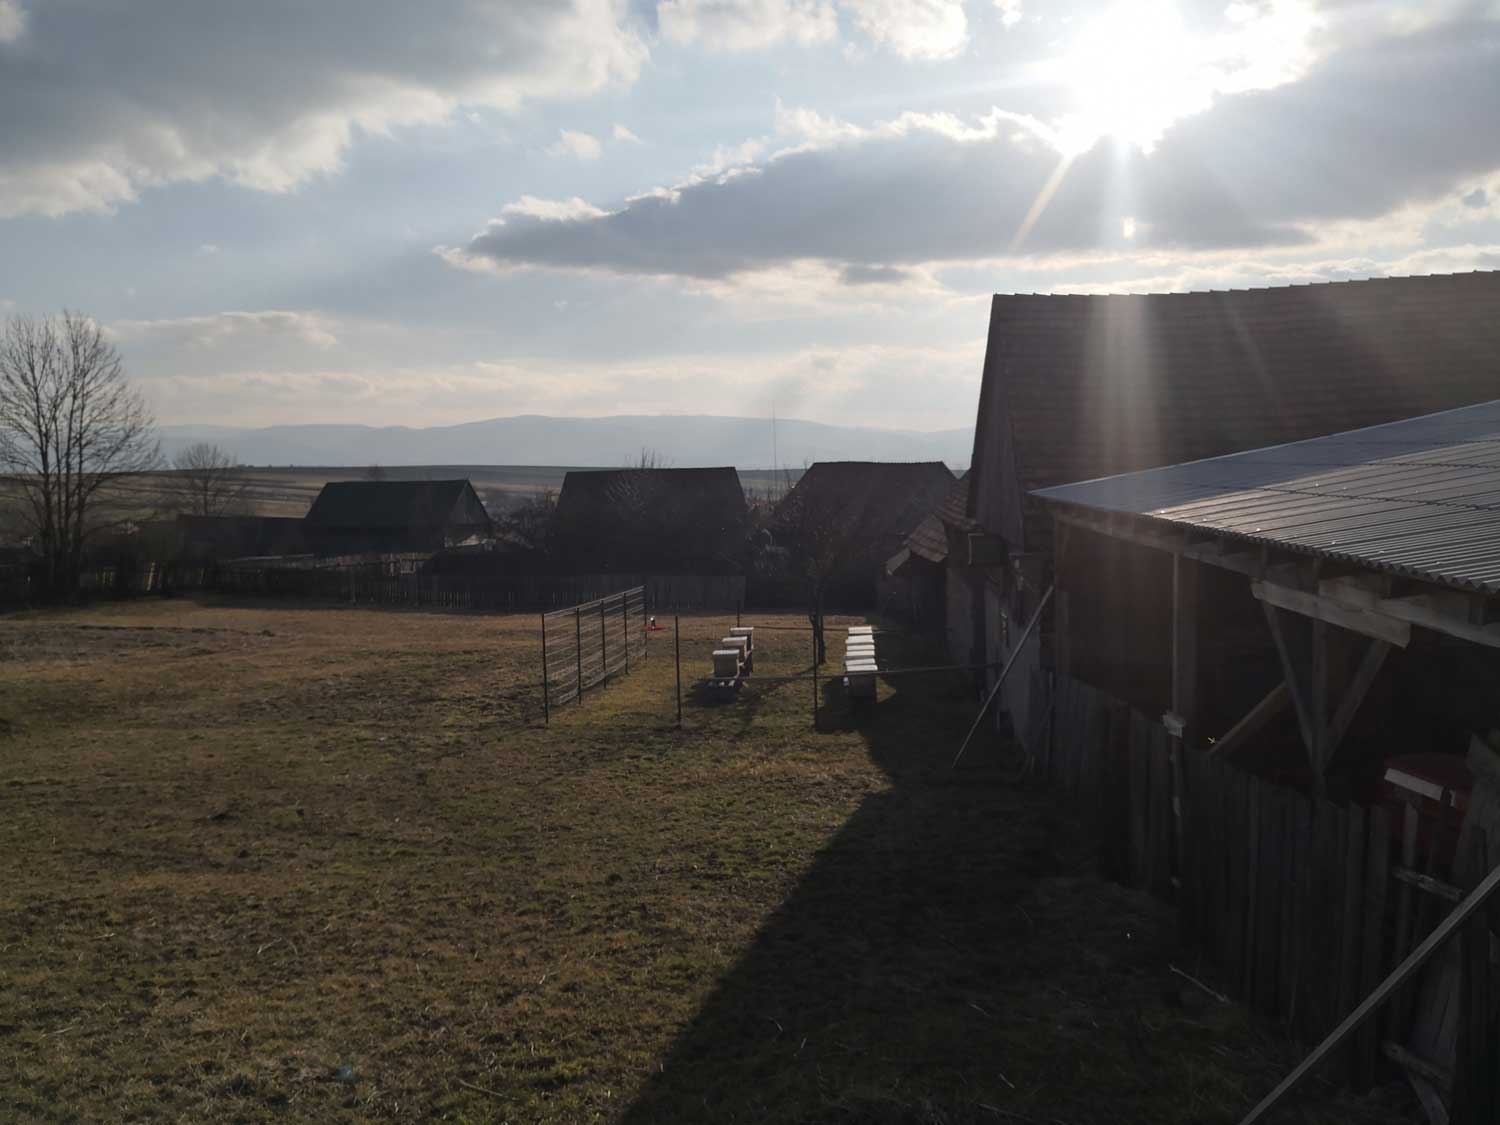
x: 1010, y: 12
x: 746, y: 25
x: 210, y: 333
x: 623, y: 135
x: 575, y: 144
x: 12, y: 20
x: 925, y: 188
x: 99, y: 102
x: 913, y: 29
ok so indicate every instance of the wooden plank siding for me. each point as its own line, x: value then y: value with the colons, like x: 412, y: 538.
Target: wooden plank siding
x: 1295, y: 901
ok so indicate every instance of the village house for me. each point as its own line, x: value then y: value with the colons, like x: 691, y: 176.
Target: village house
x: 651, y: 521
x: 1081, y: 387
x: 850, y: 517
x: 352, y: 517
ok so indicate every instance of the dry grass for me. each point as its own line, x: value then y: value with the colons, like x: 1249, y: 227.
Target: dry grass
x: 249, y: 846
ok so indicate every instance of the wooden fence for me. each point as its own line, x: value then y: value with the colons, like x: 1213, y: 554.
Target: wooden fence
x: 388, y: 583
x: 1304, y: 906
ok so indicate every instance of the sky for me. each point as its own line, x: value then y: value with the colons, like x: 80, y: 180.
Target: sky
x: 381, y: 212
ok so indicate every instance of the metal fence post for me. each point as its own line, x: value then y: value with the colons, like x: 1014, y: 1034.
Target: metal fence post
x: 578, y: 650
x: 677, y: 647
x: 546, y: 707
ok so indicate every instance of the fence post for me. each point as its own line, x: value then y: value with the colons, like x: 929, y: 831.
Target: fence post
x: 603, y: 646
x: 546, y: 706
x: 815, y: 679
x: 677, y: 648
x: 737, y: 606
x: 578, y: 649
x: 625, y: 629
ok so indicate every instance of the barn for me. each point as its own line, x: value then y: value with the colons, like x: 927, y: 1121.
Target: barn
x: 1081, y: 387
x: 352, y: 517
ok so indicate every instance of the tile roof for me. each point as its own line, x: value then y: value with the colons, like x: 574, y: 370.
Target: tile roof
x: 875, y: 499
x: 1420, y: 497
x: 691, y: 494
x: 355, y: 504
x: 1098, y: 385
x: 929, y: 540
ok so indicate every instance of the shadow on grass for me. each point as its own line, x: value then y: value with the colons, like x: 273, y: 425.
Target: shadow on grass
x: 861, y: 997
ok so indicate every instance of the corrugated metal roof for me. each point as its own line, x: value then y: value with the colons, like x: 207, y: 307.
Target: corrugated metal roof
x: 1420, y: 497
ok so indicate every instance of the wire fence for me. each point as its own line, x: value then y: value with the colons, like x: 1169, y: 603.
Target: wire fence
x: 583, y: 646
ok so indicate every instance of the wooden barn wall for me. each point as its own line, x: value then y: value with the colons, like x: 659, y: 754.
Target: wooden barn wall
x: 1119, y: 616
x: 1295, y: 901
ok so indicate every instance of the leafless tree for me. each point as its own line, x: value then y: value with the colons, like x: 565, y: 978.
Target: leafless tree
x: 532, y: 523
x: 70, y: 425
x: 213, y: 483
x: 815, y: 531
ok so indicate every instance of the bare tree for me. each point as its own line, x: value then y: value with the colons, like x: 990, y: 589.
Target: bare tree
x: 532, y: 523
x: 70, y: 425
x: 213, y: 482
x: 814, y: 528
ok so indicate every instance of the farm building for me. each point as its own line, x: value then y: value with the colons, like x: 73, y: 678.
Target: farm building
x: 1081, y: 387
x: 851, y: 517
x: 651, y: 521
x: 1308, y: 638
x: 352, y: 517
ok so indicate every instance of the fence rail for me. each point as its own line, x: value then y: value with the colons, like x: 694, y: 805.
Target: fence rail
x: 1304, y: 905
x: 585, y: 645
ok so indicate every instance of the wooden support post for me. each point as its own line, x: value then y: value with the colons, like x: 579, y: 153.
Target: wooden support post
x: 1317, y: 703
x: 546, y: 708
x: 1184, y: 687
x: 1277, y: 700
x: 677, y: 648
x: 625, y: 629
x: 578, y: 652
x: 1291, y: 673
x: 1354, y: 695
x: 1474, y: 1078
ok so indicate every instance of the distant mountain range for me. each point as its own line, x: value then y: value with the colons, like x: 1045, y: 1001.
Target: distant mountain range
x: 680, y: 441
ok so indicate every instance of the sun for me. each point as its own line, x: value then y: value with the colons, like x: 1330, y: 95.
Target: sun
x: 1137, y: 68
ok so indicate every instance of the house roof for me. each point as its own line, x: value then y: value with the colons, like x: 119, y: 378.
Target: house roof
x: 689, y: 494
x: 356, y: 504
x: 1080, y: 387
x: 875, y: 499
x: 1420, y: 497
x: 929, y: 539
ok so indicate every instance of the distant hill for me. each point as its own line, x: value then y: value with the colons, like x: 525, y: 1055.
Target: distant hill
x: 683, y: 441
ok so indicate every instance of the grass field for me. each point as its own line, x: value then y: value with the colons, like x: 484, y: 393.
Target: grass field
x: 272, y: 862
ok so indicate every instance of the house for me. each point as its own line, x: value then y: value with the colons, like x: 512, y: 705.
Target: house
x: 851, y: 517
x: 939, y: 585
x: 1081, y: 387
x: 203, y: 538
x: 651, y: 521
x: 394, y: 516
